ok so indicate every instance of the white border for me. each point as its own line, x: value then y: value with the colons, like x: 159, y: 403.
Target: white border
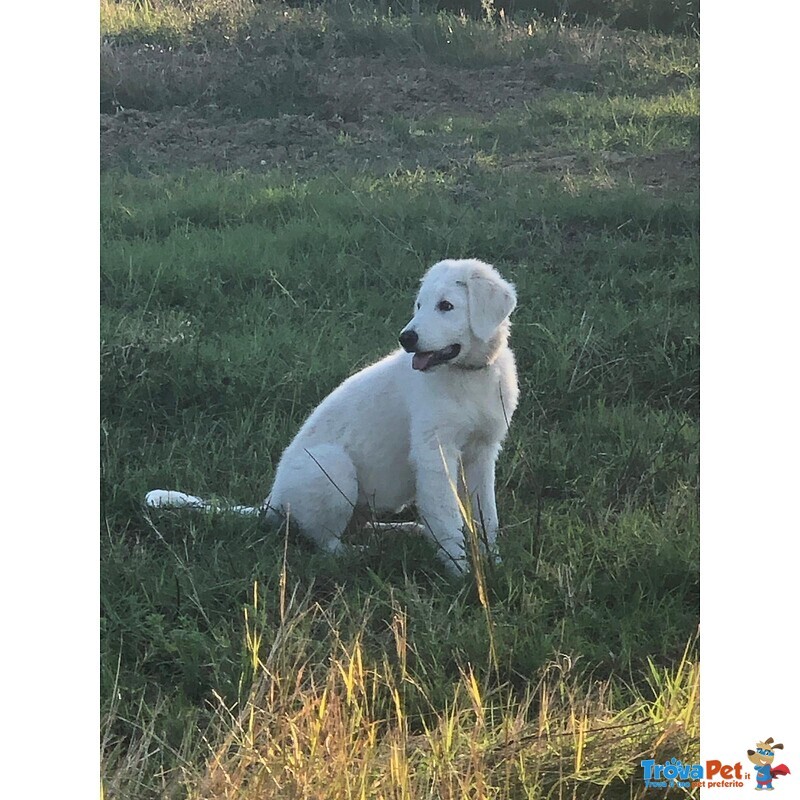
x: 49, y: 316
x: 749, y: 431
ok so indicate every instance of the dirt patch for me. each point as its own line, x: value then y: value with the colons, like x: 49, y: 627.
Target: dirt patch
x: 166, y: 110
x: 663, y: 173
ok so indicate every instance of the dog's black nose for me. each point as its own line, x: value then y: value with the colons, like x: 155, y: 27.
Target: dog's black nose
x: 408, y: 339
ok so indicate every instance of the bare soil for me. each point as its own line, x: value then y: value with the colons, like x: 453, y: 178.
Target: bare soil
x: 171, y: 111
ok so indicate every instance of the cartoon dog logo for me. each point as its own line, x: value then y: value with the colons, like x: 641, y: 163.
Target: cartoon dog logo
x: 762, y: 757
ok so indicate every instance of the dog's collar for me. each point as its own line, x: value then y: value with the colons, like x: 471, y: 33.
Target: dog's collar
x: 473, y: 368
x: 470, y: 368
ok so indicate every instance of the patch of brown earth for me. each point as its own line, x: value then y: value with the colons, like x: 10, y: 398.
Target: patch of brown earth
x: 218, y: 113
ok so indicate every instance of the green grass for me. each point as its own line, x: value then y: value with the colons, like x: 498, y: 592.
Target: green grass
x: 234, y: 300
x: 233, y: 305
x: 582, y: 121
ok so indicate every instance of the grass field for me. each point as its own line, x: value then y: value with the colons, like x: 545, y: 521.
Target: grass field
x: 275, y: 182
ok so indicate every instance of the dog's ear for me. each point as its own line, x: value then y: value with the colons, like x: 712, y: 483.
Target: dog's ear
x: 491, y: 300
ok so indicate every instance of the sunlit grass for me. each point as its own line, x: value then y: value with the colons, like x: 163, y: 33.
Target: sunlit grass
x: 584, y: 124
x: 359, y: 29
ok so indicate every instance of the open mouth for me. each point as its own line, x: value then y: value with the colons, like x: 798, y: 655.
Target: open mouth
x: 425, y: 360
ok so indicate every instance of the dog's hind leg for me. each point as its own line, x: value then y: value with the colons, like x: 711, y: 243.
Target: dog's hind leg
x: 317, y: 489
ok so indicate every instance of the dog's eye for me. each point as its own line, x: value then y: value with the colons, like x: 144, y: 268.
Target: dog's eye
x: 418, y: 306
x: 444, y: 305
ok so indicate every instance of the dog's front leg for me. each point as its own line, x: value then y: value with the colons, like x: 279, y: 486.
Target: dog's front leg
x: 479, y: 473
x: 437, y: 504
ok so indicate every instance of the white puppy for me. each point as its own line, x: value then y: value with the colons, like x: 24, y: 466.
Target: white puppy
x: 406, y: 429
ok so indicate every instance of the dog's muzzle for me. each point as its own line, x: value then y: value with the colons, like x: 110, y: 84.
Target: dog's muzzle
x: 425, y: 359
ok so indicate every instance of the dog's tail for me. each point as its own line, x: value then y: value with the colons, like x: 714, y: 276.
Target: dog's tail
x: 162, y: 498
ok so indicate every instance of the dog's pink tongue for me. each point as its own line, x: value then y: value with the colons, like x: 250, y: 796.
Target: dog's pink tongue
x: 421, y: 360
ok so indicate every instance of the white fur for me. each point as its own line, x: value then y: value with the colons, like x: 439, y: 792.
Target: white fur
x: 392, y: 435
x: 163, y: 498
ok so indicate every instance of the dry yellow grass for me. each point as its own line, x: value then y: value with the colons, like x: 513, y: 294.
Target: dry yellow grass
x: 340, y: 728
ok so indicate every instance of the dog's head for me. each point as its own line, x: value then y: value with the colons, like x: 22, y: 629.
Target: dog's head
x: 764, y: 753
x: 461, y: 315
